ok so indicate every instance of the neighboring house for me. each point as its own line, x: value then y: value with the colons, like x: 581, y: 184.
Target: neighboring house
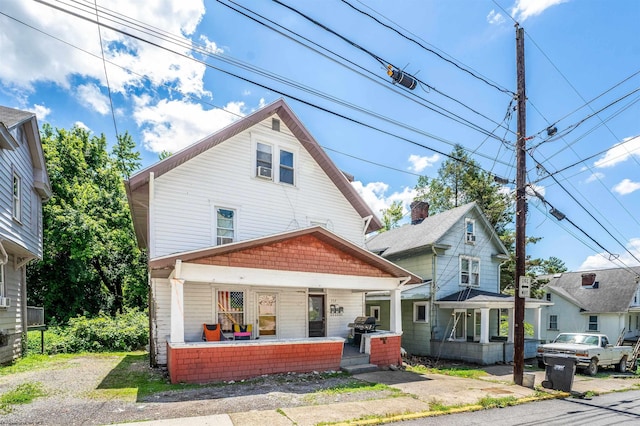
x: 457, y: 311
x: 255, y: 226
x: 603, y: 301
x: 24, y: 186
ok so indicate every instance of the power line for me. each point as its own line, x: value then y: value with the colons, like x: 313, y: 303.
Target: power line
x: 509, y: 92
x: 184, y: 55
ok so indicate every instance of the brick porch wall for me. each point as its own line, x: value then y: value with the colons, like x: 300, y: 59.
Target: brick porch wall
x: 385, y: 350
x: 213, y: 362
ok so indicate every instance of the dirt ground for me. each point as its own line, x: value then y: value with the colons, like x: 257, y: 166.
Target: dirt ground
x: 78, y: 392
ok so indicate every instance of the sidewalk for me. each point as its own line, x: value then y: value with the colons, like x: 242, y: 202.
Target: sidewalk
x: 424, y: 390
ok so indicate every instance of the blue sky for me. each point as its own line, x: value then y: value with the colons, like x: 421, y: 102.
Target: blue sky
x: 208, y: 64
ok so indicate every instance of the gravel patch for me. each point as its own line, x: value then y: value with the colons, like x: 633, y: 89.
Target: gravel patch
x: 76, y: 395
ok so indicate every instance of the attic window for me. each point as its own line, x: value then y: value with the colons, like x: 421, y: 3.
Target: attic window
x: 275, y: 124
x: 589, y: 281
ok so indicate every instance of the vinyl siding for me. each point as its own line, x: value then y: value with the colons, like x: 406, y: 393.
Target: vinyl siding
x: 224, y: 176
x: 27, y: 232
x: 416, y: 337
x: 10, y: 318
x: 161, y: 321
x: 353, y: 304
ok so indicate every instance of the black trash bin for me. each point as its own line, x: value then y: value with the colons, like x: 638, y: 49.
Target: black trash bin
x: 559, y: 372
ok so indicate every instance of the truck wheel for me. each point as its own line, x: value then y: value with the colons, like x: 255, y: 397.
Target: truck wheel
x: 592, y: 369
x: 622, y: 366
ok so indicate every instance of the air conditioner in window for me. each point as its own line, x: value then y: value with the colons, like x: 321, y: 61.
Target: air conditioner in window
x: 5, y: 302
x: 471, y: 238
x: 264, y: 172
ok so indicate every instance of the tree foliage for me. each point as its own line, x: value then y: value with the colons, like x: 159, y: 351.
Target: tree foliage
x: 391, y: 216
x: 460, y: 180
x: 91, y: 262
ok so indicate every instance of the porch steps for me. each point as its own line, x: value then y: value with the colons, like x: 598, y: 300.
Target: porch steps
x: 354, y: 362
x: 359, y: 368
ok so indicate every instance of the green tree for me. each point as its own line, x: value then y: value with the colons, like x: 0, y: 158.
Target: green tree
x: 164, y: 154
x: 391, y: 216
x: 460, y: 181
x: 89, y: 254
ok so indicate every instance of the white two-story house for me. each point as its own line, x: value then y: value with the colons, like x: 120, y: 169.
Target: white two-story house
x: 457, y: 311
x: 254, y: 228
x: 24, y: 186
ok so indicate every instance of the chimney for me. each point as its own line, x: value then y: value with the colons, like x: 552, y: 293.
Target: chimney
x: 419, y: 212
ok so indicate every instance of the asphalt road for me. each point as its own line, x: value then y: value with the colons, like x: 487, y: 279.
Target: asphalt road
x: 610, y: 409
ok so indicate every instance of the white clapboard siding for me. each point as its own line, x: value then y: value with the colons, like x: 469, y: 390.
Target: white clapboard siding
x: 198, y: 297
x: 292, y: 314
x: 26, y: 233
x: 161, y: 321
x: 10, y: 319
x: 353, y: 304
x: 224, y: 176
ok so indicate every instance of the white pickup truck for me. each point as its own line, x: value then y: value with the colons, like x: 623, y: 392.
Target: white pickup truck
x: 590, y: 351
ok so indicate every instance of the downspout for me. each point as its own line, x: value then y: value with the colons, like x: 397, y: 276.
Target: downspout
x: 432, y: 301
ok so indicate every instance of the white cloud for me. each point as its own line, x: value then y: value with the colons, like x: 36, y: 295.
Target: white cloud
x: 41, y: 111
x: 81, y: 125
x: 50, y: 60
x: 601, y: 260
x: 495, y: 18
x: 627, y: 186
x: 373, y: 194
x: 90, y: 96
x: 170, y: 125
x: 594, y: 176
x: 620, y: 152
x: 419, y: 163
x: 211, y: 46
x: 524, y: 9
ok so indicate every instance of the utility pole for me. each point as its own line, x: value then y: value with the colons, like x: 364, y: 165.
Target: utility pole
x: 521, y: 211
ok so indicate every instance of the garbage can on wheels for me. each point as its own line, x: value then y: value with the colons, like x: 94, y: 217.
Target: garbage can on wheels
x: 559, y: 372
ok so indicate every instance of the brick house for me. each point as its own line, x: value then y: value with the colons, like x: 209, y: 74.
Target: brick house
x: 253, y: 228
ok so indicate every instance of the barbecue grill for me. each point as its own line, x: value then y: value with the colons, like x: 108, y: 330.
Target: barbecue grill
x: 362, y: 325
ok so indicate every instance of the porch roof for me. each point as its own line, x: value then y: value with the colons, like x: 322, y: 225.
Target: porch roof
x: 473, y: 298
x: 309, y: 257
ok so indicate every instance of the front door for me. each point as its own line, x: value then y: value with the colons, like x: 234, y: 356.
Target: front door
x: 317, y: 321
x: 267, y: 315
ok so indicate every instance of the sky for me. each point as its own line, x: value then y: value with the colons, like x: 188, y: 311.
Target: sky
x: 171, y: 73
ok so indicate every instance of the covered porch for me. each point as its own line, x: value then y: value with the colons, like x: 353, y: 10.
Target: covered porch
x: 298, y: 291
x: 473, y: 327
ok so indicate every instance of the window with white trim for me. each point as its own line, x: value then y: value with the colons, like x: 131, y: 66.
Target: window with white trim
x: 230, y: 309
x: 593, y: 323
x: 225, y: 225
x: 470, y: 231
x: 469, y: 271
x: 374, y: 311
x: 420, y: 312
x: 264, y: 161
x: 286, y: 167
x: 553, y: 322
x: 17, y: 197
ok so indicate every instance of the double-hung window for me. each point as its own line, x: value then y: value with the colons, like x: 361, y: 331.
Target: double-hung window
x: 420, y: 312
x: 553, y: 322
x: 469, y: 271
x: 17, y: 197
x: 264, y: 161
x: 470, y: 231
x: 225, y: 225
x: 286, y: 167
x: 593, y: 323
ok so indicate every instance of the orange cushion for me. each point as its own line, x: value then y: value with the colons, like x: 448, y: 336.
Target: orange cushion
x: 211, y: 332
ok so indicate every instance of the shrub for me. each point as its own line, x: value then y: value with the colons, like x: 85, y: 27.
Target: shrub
x: 124, y: 332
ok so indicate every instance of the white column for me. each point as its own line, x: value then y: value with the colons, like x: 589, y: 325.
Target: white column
x: 484, y: 325
x: 177, y: 311
x: 395, y: 320
x: 537, y: 323
x: 511, y: 325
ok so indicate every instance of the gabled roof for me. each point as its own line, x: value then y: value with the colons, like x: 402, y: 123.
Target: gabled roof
x: 428, y: 233
x: 137, y: 185
x: 11, y: 118
x: 614, y: 293
x: 317, y: 232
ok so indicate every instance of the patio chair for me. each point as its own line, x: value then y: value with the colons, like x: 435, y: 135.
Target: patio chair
x: 242, y: 332
x: 211, y: 332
